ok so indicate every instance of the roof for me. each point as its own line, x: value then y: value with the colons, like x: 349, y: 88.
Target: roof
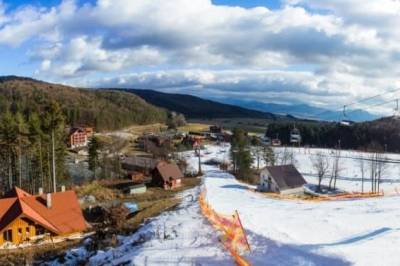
x: 64, y: 216
x: 136, y: 161
x: 286, y: 176
x: 77, y: 130
x: 169, y: 170
x: 16, y: 192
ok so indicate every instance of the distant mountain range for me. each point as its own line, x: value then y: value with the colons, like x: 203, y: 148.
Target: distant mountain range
x: 302, y: 111
x: 196, y: 107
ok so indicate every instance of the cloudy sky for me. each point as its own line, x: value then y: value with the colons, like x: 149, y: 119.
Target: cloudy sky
x: 323, y: 53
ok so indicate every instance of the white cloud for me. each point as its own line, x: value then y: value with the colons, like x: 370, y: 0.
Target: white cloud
x: 311, y: 51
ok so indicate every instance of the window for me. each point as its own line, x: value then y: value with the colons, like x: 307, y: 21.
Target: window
x: 7, y: 235
x: 27, y: 230
x: 19, y: 230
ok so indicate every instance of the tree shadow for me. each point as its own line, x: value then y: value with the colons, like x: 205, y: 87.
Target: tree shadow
x: 355, y: 239
x: 269, y: 252
x: 235, y: 187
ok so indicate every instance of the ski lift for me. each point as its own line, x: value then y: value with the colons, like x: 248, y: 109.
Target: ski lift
x: 295, y: 136
x: 396, y: 114
x: 345, y: 121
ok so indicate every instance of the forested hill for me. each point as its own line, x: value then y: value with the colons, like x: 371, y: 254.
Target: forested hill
x: 382, y: 133
x: 104, y: 109
x: 195, y: 107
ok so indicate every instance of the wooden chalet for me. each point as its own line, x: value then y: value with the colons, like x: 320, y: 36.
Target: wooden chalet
x: 167, y: 175
x: 25, y: 217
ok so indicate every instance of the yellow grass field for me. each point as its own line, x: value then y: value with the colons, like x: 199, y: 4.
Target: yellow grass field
x: 194, y: 127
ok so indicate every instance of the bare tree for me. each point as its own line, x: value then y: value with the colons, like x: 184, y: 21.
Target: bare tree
x: 269, y: 156
x: 285, y: 157
x: 372, y: 170
x: 321, y: 164
x: 335, y: 169
x: 377, y: 166
x: 381, y: 168
x: 257, y: 154
x: 361, y: 165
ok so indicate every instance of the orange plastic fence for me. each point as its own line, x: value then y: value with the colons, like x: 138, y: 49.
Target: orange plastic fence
x: 234, y: 238
x: 343, y: 196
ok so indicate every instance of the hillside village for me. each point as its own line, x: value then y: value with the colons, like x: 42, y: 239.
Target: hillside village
x: 119, y: 182
x: 199, y: 132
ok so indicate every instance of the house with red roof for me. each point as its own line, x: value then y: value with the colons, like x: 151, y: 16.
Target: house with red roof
x: 24, y: 217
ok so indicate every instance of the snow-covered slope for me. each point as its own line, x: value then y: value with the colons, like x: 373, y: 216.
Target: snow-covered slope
x: 350, y: 173
x: 352, y: 232
x: 178, y: 237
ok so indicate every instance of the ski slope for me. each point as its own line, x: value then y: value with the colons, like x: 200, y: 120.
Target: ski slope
x: 178, y: 237
x: 352, y: 232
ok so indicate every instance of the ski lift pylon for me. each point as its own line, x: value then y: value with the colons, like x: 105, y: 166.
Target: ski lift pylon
x: 396, y: 114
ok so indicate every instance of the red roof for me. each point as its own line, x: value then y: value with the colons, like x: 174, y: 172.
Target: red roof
x: 63, y: 217
x: 169, y: 171
x: 16, y: 193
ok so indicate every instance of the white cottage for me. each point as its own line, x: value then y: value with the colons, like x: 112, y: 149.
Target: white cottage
x: 284, y: 179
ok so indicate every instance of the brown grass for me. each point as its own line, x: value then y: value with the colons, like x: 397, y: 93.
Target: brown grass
x: 28, y: 255
x: 99, y: 191
x: 194, y: 127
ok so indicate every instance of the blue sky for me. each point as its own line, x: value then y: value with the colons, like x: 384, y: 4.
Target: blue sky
x: 244, y: 3
x: 322, y: 53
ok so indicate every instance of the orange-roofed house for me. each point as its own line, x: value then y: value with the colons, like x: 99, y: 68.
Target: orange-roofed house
x: 24, y: 217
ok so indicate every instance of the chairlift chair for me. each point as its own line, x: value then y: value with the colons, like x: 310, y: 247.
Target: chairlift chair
x: 295, y: 136
x: 345, y: 121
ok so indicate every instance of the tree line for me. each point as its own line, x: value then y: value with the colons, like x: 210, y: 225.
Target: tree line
x: 359, y: 136
x: 32, y: 148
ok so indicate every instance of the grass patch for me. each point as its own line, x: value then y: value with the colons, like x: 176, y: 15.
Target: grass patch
x: 194, y: 127
x: 100, y: 192
x: 28, y: 255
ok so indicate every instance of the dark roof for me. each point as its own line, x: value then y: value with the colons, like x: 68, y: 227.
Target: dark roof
x: 169, y: 170
x: 76, y: 130
x: 136, y: 161
x: 63, y: 217
x: 286, y: 176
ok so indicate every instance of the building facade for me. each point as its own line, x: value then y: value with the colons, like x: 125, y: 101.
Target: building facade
x: 284, y: 179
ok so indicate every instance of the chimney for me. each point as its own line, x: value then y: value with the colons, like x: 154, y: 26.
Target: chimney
x: 48, y: 200
x: 62, y: 188
x: 40, y: 191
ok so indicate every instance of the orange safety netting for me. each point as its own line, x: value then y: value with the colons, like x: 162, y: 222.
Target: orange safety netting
x: 234, y: 238
x: 343, y: 196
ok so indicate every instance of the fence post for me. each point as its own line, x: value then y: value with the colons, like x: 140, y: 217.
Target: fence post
x: 244, y: 233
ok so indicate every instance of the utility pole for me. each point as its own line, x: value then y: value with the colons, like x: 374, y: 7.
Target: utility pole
x: 199, y: 155
x: 54, y: 162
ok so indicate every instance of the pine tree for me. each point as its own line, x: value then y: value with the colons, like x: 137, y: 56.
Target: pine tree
x: 94, y: 147
x: 240, y: 153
